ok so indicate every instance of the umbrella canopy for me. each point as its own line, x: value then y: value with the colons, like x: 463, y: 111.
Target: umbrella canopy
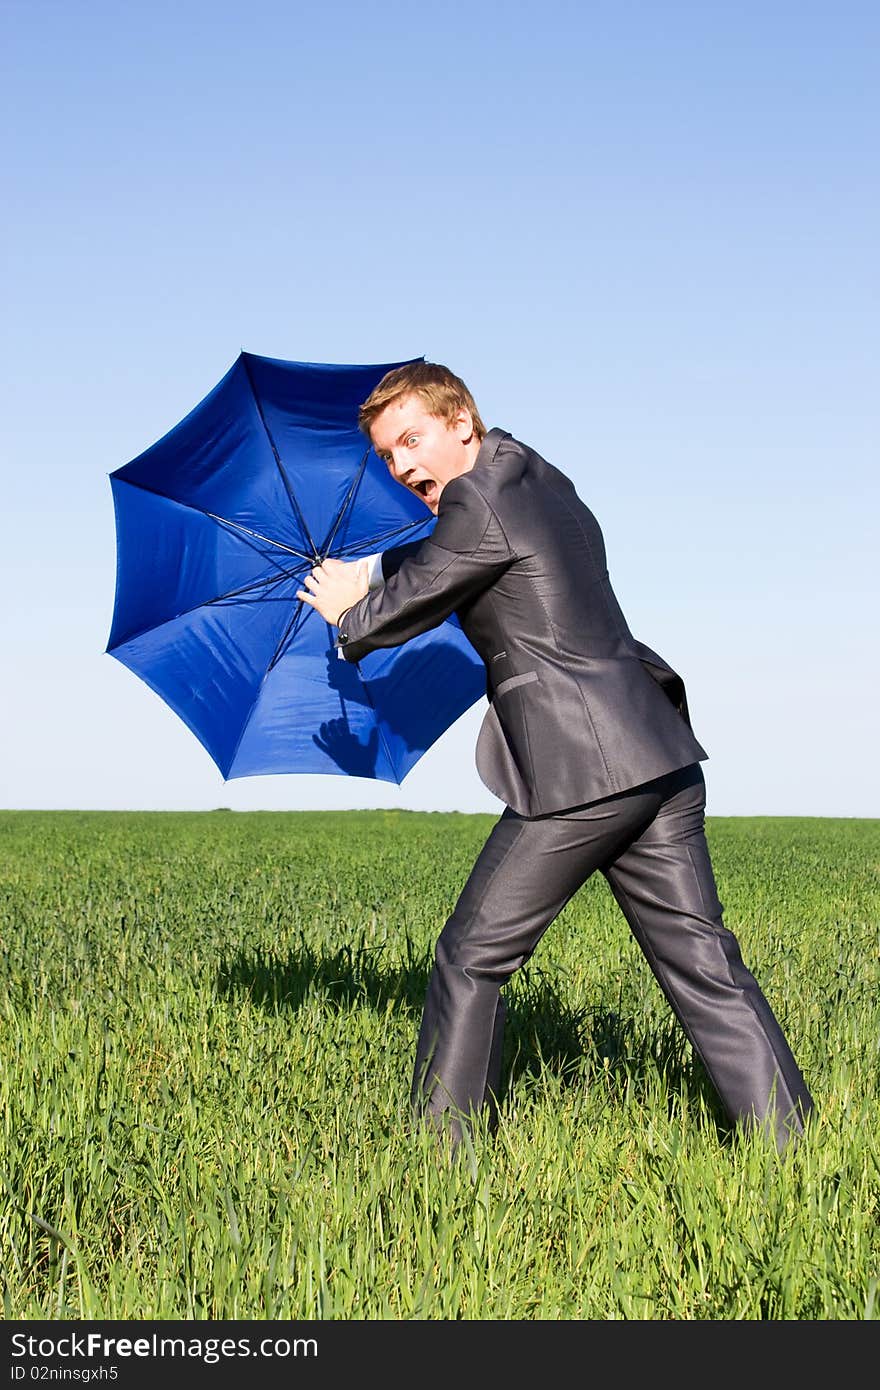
x: 217, y: 525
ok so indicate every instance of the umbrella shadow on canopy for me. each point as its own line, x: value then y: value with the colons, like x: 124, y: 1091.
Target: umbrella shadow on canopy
x: 415, y: 718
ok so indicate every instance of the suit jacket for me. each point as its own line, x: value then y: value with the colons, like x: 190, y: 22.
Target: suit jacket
x: 578, y: 709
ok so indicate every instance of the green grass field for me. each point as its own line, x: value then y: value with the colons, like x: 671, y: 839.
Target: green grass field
x: 207, y: 1039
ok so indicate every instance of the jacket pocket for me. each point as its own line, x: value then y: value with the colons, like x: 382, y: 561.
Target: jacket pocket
x: 513, y: 681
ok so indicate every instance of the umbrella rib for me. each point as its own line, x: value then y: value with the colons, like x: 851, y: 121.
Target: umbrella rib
x: 299, y: 616
x: 270, y: 581
x: 383, y: 536
x: 347, y: 502
x: 288, y: 487
x: 276, y: 657
x: 246, y: 531
x: 222, y: 520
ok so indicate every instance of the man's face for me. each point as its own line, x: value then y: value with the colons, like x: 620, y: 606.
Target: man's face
x: 423, y: 452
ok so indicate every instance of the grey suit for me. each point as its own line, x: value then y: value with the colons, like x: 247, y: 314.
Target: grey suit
x: 588, y: 741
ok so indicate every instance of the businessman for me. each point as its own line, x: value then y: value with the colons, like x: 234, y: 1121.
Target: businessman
x: 587, y: 741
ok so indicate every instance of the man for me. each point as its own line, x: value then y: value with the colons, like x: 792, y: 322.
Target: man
x: 587, y: 740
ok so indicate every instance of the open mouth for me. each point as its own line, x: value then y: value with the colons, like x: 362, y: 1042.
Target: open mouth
x: 427, y: 490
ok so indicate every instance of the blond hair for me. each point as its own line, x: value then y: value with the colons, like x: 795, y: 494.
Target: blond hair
x: 442, y: 392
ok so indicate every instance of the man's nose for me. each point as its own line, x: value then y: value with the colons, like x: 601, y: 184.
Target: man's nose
x: 397, y: 464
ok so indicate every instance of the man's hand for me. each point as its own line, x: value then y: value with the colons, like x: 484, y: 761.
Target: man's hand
x: 334, y: 586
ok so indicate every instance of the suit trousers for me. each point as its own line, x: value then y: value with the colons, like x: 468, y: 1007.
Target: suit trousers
x: 650, y: 845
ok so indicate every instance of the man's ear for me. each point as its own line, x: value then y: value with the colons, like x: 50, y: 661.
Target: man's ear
x: 464, y: 425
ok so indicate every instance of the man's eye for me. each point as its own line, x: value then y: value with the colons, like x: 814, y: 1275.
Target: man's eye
x: 412, y: 439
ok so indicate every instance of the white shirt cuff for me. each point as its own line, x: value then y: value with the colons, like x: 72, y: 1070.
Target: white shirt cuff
x: 376, y: 577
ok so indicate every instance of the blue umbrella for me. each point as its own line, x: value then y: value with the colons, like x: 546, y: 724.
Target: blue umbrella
x: 216, y: 526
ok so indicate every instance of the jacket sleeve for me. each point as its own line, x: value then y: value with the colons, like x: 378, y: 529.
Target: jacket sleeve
x: 394, y: 557
x: 426, y: 582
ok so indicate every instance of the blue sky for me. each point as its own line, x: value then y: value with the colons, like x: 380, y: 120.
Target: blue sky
x: 646, y: 236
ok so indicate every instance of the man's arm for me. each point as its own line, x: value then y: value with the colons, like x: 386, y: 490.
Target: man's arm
x: 380, y: 566
x: 335, y: 585
x: 375, y: 580
x: 391, y: 559
x: 426, y: 581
